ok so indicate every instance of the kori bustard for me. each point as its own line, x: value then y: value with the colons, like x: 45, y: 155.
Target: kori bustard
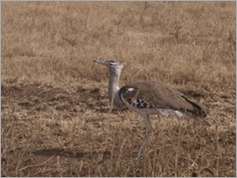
x: 147, y: 98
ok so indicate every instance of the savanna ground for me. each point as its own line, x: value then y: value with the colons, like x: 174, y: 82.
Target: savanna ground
x: 55, y: 118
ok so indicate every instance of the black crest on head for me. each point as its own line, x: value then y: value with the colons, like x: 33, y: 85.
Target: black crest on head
x: 111, y: 61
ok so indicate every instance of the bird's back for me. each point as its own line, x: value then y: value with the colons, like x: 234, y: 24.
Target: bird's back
x: 152, y: 95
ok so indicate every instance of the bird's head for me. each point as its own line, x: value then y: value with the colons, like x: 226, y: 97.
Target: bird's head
x: 113, y: 66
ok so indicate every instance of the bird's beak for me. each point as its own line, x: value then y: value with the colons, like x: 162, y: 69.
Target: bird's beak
x: 100, y: 62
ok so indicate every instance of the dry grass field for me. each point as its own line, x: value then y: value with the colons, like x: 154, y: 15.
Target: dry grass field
x: 56, y: 119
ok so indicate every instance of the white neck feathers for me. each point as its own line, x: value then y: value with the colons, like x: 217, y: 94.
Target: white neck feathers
x: 114, y: 88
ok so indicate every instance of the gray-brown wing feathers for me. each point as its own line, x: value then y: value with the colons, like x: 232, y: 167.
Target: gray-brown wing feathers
x: 162, y: 97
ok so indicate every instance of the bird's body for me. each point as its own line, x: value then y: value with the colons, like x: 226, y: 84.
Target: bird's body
x: 147, y: 98
x: 159, y: 99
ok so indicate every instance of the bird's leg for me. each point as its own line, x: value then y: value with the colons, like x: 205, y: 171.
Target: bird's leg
x: 150, y: 125
x: 148, y: 132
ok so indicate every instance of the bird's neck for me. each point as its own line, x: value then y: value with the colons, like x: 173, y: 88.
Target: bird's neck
x: 113, y: 88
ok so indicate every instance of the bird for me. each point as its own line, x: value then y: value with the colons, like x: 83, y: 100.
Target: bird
x: 149, y: 98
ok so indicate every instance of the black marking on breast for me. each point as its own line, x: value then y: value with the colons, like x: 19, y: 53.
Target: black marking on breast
x: 128, y: 93
x: 139, y: 103
x: 145, y: 105
x: 129, y: 101
x: 150, y: 106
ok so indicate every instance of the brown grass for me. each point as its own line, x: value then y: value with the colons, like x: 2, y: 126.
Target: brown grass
x: 55, y: 114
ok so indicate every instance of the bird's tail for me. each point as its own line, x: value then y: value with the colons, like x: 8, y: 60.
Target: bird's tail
x: 200, y: 112
x: 197, y: 110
